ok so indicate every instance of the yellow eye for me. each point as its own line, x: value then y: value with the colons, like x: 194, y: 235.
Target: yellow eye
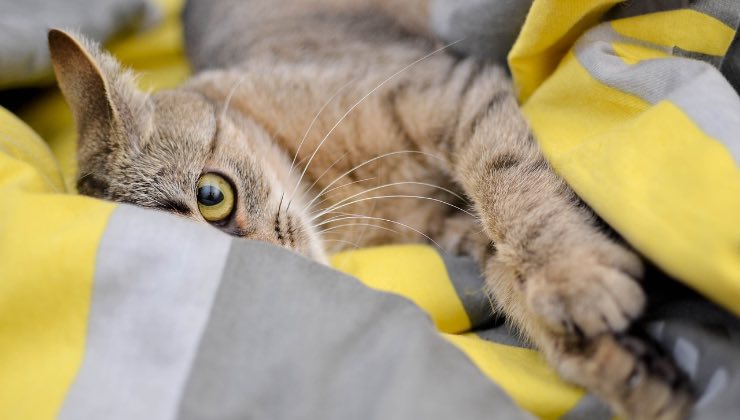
x: 215, y: 197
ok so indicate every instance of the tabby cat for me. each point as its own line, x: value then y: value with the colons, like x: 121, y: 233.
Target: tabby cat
x: 321, y: 124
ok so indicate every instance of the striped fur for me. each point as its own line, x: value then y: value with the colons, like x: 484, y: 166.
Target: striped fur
x: 406, y: 127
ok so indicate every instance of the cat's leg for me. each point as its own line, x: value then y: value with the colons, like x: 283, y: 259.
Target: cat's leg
x: 560, y: 314
x: 567, y: 285
x: 461, y: 234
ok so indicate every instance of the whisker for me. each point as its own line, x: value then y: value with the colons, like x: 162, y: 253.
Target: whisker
x: 399, y: 183
x: 230, y: 96
x: 339, y: 215
x: 356, y: 104
x: 327, y: 170
x: 342, y: 241
x: 300, y: 162
x: 315, y: 118
x: 372, y: 208
x: 367, y: 162
x: 347, y: 216
x: 358, y: 224
x: 389, y: 221
x: 394, y: 196
x: 319, y: 178
x: 342, y: 186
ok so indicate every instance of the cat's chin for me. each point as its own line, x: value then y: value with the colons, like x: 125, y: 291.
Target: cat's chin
x: 316, y: 252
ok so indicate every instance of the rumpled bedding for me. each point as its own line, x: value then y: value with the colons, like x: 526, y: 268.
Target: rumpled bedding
x: 110, y: 311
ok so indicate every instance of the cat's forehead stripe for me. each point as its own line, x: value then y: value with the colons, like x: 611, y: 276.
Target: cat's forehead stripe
x: 213, y: 142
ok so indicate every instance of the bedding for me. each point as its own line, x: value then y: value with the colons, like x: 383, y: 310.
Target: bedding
x: 160, y: 318
x: 637, y: 117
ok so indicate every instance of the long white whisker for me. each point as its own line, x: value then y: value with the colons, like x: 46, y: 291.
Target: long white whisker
x: 315, y: 118
x: 339, y: 215
x: 358, y: 224
x: 394, y: 196
x: 347, y: 216
x: 356, y: 104
x: 342, y: 186
x: 372, y: 207
x: 389, y: 221
x: 302, y: 160
x: 230, y: 96
x: 327, y: 170
x: 367, y: 162
x: 342, y: 241
x: 319, y: 178
x: 394, y: 184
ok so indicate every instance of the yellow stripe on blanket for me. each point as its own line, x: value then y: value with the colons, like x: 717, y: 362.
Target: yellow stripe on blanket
x: 633, y: 53
x: 34, y: 166
x: 551, y: 27
x: 522, y: 374
x: 635, y: 141
x: 418, y: 273
x: 43, y: 307
x: 413, y: 271
x: 707, y: 35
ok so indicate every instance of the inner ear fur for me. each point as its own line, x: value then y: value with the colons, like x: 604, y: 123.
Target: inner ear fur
x: 82, y: 82
x: 105, y: 102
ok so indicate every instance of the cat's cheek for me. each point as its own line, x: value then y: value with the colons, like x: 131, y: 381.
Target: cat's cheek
x: 316, y: 251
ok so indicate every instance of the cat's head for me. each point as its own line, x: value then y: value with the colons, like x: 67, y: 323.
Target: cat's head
x: 176, y: 151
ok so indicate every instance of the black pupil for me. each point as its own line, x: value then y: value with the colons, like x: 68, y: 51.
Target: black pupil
x: 210, y: 195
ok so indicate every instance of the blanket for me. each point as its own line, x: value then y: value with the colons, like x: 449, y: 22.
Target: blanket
x: 636, y: 115
x: 111, y: 311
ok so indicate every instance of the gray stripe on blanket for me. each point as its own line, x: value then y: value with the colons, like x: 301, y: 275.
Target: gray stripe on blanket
x: 291, y: 339
x: 589, y: 408
x: 470, y: 288
x: 726, y: 11
x: 155, y: 281
x: 465, y: 275
x: 696, y: 87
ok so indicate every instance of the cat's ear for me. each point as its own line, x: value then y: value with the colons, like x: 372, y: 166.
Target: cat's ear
x: 105, y: 102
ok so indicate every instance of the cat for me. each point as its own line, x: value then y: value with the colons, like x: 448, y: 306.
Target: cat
x: 318, y: 125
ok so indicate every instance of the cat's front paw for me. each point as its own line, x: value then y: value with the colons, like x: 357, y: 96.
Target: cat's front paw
x: 630, y: 374
x: 590, y: 291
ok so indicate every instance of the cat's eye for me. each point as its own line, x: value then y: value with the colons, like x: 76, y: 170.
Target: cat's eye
x: 215, y: 197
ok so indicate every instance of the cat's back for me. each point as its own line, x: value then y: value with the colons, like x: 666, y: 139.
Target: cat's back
x: 224, y: 33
